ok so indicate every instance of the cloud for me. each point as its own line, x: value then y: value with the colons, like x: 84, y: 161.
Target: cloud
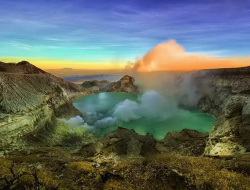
x: 170, y: 56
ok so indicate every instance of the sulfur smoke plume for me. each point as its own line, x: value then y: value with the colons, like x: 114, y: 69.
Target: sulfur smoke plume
x: 170, y: 70
x: 170, y: 56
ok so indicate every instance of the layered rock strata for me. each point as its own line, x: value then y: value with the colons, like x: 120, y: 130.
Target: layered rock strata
x: 30, y: 98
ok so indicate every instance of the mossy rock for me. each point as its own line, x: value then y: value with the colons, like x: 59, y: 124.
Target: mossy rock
x: 81, y: 167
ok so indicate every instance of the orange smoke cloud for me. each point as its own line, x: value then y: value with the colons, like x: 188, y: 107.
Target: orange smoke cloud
x: 170, y: 56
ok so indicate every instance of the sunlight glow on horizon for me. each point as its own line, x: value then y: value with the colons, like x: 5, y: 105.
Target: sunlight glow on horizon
x: 48, y: 64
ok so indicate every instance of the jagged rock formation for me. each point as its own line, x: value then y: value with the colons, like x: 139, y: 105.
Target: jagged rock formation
x: 229, y: 102
x: 125, y: 142
x: 228, y: 86
x: 99, y: 85
x: 121, y: 142
x: 125, y: 84
x: 30, y: 97
x: 187, y: 142
x: 231, y: 135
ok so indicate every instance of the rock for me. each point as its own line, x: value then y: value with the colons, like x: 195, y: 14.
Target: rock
x: 22, y: 67
x: 229, y: 137
x: 101, y: 85
x: 228, y: 99
x: 187, y: 142
x: 241, y: 163
x: 233, y: 110
x: 228, y: 87
x: 122, y: 142
x: 125, y: 84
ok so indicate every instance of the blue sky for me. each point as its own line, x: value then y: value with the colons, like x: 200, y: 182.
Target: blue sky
x: 98, y: 30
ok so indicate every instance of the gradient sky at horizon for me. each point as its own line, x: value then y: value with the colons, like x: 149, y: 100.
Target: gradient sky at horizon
x: 116, y: 31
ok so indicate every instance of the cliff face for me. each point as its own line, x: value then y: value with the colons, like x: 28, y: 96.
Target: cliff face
x: 30, y: 97
x: 228, y: 86
x: 229, y: 102
x: 125, y: 84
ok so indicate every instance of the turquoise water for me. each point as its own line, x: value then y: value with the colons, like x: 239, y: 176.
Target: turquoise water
x: 100, y: 110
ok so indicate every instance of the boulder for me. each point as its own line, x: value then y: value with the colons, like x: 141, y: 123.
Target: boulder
x: 122, y: 142
x: 233, y: 110
x: 125, y: 84
x: 186, y: 142
x: 229, y: 137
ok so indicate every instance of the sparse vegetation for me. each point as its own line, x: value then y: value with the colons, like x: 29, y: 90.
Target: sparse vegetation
x: 190, y: 172
x: 22, y: 176
x: 59, y: 133
x: 55, y: 169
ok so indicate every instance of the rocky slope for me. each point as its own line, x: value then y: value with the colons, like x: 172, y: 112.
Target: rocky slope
x: 122, y: 159
x: 229, y: 101
x: 186, y: 142
x: 125, y: 84
x: 30, y: 98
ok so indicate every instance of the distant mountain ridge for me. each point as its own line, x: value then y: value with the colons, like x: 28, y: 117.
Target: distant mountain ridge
x: 108, y: 77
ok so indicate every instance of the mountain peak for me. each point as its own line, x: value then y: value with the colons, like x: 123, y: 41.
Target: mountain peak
x: 22, y: 67
x: 23, y: 63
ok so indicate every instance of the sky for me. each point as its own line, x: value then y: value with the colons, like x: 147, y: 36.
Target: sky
x: 99, y: 34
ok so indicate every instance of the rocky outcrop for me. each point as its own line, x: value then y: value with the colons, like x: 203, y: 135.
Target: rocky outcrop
x: 30, y: 97
x: 227, y: 87
x: 99, y: 85
x: 125, y: 142
x: 229, y: 102
x: 125, y: 84
x: 187, y: 142
x: 121, y: 142
x: 230, y: 136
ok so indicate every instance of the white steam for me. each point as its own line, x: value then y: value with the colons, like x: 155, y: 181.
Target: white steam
x: 105, y: 122
x: 186, y: 89
x: 127, y: 110
x: 154, y: 105
x: 74, y: 121
x: 150, y: 105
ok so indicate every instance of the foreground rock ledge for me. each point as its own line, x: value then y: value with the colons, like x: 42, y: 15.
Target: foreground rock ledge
x: 125, y: 142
